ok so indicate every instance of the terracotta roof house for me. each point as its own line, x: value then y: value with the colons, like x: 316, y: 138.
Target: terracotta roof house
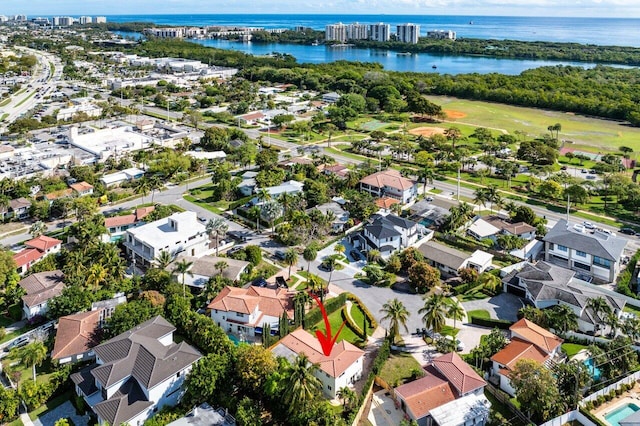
x: 341, y: 368
x: 82, y: 188
x: 528, y: 341
x: 76, y: 335
x: 546, y: 285
x: 36, y: 249
x: 245, y: 310
x: 136, y: 373
x: 450, y: 393
x: 389, y: 183
x: 39, y: 289
x: 204, y: 268
x: 63, y: 193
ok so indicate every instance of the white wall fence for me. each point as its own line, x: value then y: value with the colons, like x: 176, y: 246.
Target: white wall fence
x: 590, y: 339
x: 605, y: 391
x: 569, y: 417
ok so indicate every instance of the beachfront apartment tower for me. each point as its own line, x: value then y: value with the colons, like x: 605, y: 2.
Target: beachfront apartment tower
x: 408, y: 33
x: 379, y: 32
x: 101, y: 19
x: 357, y: 31
x: 336, y: 32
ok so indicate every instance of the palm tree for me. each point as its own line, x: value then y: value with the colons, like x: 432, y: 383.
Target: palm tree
x: 290, y: 258
x: 285, y: 200
x: 164, y: 259
x: 155, y: 183
x: 270, y: 211
x: 563, y: 318
x: 340, y: 249
x: 427, y: 175
x: 264, y: 195
x: 142, y: 186
x: 455, y: 312
x: 33, y: 355
x: 395, y: 311
x: 493, y: 196
x: 96, y: 276
x: 216, y: 228
x: 611, y: 319
x: 255, y: 212
x: 221, y: 266
x: 481, y: 196
x: 631, y: 327
x: 309, y: 254
x: 373, y: 255
x: 37, y: 229
x: 182, y: 268
x: 601, y: 308
x: 348, y: 397
x: 434, y: 312
x: 301, y: 386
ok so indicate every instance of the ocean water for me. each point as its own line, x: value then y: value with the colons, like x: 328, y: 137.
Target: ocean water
x: 580, y: 30
x: 600, y: 31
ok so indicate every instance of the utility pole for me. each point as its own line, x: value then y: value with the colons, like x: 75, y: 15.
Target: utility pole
x: 568, y: 206
x: 458, y: 194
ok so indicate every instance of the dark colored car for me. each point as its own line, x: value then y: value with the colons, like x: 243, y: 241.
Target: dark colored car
x: 627, y: 231
x: 281, y: 282
x: 356, y: 255
x: 279, y: 254
x: 259, y: 282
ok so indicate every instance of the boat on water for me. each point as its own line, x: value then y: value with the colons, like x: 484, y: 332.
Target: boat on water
x: 315, y: 43
x: 403, y: 54
x: 470, y: 22
x: 434, y: 67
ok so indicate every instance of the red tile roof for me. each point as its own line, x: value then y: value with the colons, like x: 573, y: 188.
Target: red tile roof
x: 59, y: 194
x: 515, y: 351
x: 386, y: 202
x: 43, y: 243
x: 115, y: 221
x: 27, y: 256
x: 390, y: 178
x: 143, y: 212
x: 342, y: 356
x: 81, y: 187
x: 460, y: 374
x: 271, y: 302
x: 535, y: 334
x: 425, y: 394
x: 76, y: 334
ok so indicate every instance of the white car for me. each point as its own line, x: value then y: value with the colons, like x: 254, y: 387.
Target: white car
x: 588, y: 225
x: 459, y: 344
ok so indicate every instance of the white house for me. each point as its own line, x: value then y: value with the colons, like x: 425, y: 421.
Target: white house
x: 596, y: 253
x: 390, y: 183
x: 136, y: 374
x: 341, y: 368
x: 244, y: 311
x: 528, y: 341
x: 117, y: 178
x: 91, y: 110
x: 36, y: 250
x: 341, y: 216
x: 82, y: 188
x: 178, y: 233
x: 204, y: 268
x: 387, y: 234
x: 494, y: 226
x: 290, y: 187
x: 450, y: 260
x: 546, y: 285
x: 450, y: 393
x: 39, y: 289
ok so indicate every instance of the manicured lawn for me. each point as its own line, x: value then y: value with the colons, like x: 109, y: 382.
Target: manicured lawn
x: 335, y: 319
x: 51, y: 404
x: 358, y: 317
x: 592, y: 133
x: 5, y: 102
x: 572, y: 348
x: 349, y: 155
x: 632, y: 309
x: 479, y: 313
x: 398, y: 368
x: 502, y: 409
x: 448, y: 330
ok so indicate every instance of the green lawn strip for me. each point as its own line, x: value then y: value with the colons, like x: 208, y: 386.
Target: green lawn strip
x: 632, y: 309
x: 5, y: 115
x: 358, y: 318
x: 265, y: 270
x: 479, y: 313
x: 448, y: 330
x: 5, y: 102
x: 335, y: 319
x: 25, y: 99
x: 502, y: 409
x: 16, y: 422
x: 156, y: 115
x: 572, y: 348
x: 398, y: 368
x: 435, y: 191
x: 349, y: 155
x: 13, y: 334
x: 51, y: 404
x: 203, y: 204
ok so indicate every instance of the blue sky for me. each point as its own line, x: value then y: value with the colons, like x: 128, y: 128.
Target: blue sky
x: 586, y: 8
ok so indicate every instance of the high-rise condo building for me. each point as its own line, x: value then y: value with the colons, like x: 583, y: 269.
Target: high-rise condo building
x: 336, y: 32
x: 379, y: 32
x: 408, y: 33
x: 357, y: 31
x: 101, y: 19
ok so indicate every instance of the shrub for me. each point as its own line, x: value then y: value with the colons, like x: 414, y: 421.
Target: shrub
x: 493, y: 323
x: 314, y: 316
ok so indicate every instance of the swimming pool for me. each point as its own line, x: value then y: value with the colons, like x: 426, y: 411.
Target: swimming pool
x: 234, y: 339
x: 614, y: 417
x: 426, y: 222
x: 593, y: 370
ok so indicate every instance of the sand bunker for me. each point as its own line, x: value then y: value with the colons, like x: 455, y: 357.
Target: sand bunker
x: 453, y: 114
x: 427, y: 131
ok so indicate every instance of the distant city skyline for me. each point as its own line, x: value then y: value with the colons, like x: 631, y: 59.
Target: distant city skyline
x: 544, y: 8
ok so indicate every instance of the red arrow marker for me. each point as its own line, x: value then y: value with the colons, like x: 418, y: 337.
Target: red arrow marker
x: 325, y: 339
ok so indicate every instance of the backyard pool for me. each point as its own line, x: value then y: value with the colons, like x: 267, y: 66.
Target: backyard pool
x: 234, y: 339
x: 593, y: 370
x: 614, y: 417
x: 426, y: 222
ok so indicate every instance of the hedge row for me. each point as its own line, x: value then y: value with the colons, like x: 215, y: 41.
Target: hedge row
x: 314, y: 316
x: 354, y: 327
x: 492, y: 323
x: 376, y: 366
x: 624, y: 285
x: 368, y: 314
x: 591, y: 417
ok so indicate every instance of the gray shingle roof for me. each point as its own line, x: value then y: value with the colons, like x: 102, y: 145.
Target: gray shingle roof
x: 443, y: 255
x: 598, y: 244
x: 126, y: 403
x: 139, y: 353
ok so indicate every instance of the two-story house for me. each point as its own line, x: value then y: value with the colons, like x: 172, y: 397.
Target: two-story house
x: 136, y: 374
x: 18, y: 209
x: 546, y: 285
x: 244, y: 311
x: 178, y: 233
x: 450, y: 393
x: 35, y: 250
x: 39, y: 289
x: 339, y: 214
x: 528, y: 341
x: 390, y: 183
x: 387, y: 234
x: 450, y: 260
x: 341, y: 368
x: 76, y: 335
x: 596, y: 253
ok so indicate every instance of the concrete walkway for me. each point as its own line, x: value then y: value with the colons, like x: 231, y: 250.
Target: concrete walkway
x: 26, y: 420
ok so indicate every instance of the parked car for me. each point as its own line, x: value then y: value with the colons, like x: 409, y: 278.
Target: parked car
x: 429, y: 199
x: 627, y: 231
x: 563, y: 168
x: 234, y: 249
x: 593, y: 172
x: 259, y: 282
x: 588, y: 225
x: 591, y: 177
x: 459, y: 344
x: 281, y: 282
x: 279, y: 254
x: 202, y: 219
x: 18, y: 343
x: 356, y: 255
